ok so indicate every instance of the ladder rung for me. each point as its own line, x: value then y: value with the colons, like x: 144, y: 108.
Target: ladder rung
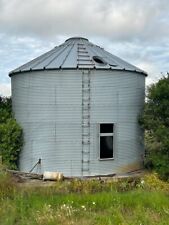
x: 85, y: 169
x: 86, y: 125
x: 84, y: 56
x: 88, y: 134
x: 86, y: 121
x: 85, y: 152
x: 85, y: 161
x: 86, y: 99
x: 85, y: 108
x: 86, y: 104
x: 87, y: 130
x: 86, y: 77
x: 86, y: 117
x: 88, y: 85
x: 87, y: 88
x: 85, y: 83
x: 81, y: 51
x: 85, y: 142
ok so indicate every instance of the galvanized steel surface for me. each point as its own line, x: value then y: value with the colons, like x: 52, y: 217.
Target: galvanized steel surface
x: 77, y: 52
x: 48, y: 105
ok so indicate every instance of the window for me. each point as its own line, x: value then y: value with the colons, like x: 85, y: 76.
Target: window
x: 106, y: 140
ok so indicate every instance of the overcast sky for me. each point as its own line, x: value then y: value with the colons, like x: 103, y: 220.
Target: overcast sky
x: 135, y: 30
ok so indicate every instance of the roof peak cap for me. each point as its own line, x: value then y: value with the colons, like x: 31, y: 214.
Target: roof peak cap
x: 76, y: 39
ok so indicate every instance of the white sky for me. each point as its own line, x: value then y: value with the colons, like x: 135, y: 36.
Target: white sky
x: 137, y: 31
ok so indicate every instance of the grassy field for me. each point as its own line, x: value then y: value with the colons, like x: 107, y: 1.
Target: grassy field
x: 141, y: 201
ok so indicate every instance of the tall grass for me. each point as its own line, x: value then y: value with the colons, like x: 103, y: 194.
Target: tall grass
x: 130, y: 202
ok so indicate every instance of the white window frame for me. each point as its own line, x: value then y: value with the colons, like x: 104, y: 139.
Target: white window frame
x: 106, y: 135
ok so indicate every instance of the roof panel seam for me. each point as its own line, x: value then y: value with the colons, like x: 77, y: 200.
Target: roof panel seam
x: 67, y: 54
x: 33, y: 60
x: 56, y: 51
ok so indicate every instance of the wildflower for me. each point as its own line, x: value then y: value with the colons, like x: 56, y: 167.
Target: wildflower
x: 94, y: 203
x: 83, y: 207
x: 142, y: 182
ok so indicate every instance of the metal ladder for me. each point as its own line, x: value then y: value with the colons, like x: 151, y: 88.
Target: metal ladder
x: 85, y: 123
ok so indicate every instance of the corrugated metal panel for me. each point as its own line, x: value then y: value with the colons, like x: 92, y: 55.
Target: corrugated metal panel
x: 50, y: 114
x: 48, y: 105
x: 119, y: 101
x: 77, y: 52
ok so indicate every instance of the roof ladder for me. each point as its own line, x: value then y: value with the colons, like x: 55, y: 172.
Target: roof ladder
x: 83, y: 58
x: 85, y: 123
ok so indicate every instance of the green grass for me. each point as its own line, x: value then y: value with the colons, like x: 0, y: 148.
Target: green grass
x: 129, y: 202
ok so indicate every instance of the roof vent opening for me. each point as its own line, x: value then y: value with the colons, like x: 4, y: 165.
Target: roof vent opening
x: 99, y: 60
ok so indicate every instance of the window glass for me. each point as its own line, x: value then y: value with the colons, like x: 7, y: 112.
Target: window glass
x: 106, y: 147
x: 106, y: 128
x: 106, y: 140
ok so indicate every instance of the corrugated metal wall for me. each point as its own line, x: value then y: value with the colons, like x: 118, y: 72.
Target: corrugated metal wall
x: 117, y: 97
x: 48, y: 105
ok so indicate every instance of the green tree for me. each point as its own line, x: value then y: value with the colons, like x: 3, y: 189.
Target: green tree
x: 155, y: 121
x: 11, y: 139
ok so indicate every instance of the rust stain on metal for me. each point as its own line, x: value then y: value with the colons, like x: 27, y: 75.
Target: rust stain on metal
x: 131, y: 167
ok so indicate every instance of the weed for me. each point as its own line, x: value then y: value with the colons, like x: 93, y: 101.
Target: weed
x: 83, y: 202
x: 7, y: 185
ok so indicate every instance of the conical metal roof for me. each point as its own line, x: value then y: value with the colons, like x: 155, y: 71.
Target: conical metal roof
x: 77, y: 53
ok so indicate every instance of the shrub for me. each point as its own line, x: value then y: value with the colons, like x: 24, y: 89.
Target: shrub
x: 155, y: 121
x: 11, y: 139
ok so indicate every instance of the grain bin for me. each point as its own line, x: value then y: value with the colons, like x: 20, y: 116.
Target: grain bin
x: 78, y: 106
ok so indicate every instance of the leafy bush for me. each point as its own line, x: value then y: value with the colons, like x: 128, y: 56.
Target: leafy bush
x: 153, y: 183
x: 10, y: 134
x: 155, y: 121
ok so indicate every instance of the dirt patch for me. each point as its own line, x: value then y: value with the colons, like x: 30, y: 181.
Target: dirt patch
x: 36, y: 180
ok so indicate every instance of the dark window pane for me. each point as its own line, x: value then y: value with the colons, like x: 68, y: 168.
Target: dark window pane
x: 106, y: 147
x: 106, y: 128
